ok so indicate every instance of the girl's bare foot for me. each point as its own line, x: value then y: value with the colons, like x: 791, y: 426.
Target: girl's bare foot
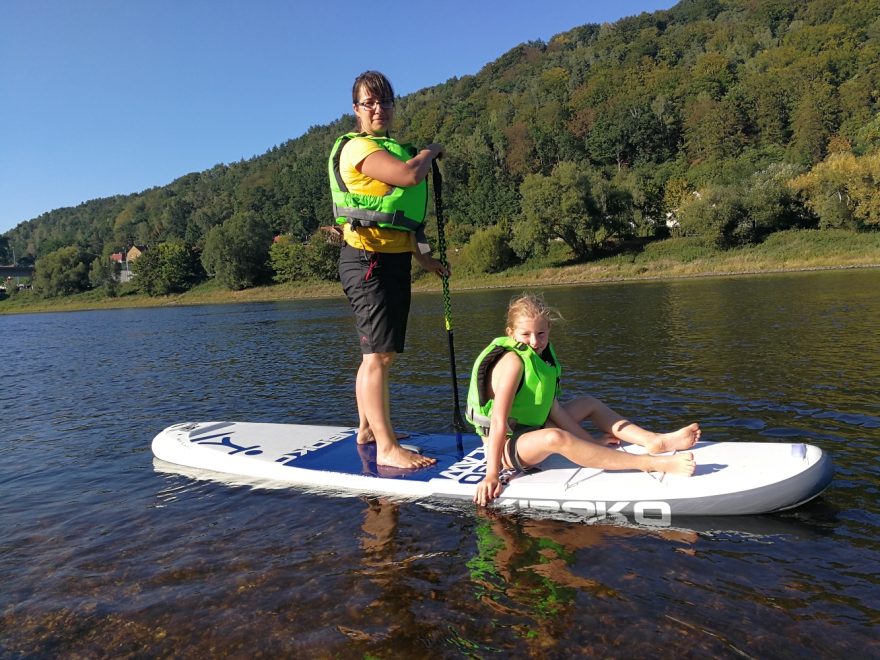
x: 682, y: 464
x: 607, y: 439
x: 683, y: 438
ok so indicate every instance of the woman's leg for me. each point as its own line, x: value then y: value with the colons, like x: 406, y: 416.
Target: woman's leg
x: 371, y: 389
x: 378, y: 288
x: 372, y: 378
x: 604, y: 418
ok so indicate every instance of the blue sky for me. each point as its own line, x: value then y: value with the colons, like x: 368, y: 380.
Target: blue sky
x: 105, y: 97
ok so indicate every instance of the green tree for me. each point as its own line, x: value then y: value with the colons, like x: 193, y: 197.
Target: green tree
x: 868, y: 137
x: 711, y: 74
x: 167, y: 268
x: 104, y: 273
x: 558, y: 206
x: 292, y: 261
x: 62, y: 272
x: 843, y: 191
x: 643, y: 189
x: 476, y: 188
x: 714, y: 129
x: 145, y: 272
x: 714, y: 213
x: 627, y: 133
x: 770, y: 204
x: 237, y: 252
x: 322, y: 257
x: 770, y: 94
x: 488, y: 250
x: 613, y: 207
x: 287, y: 257
x: 812, y: 124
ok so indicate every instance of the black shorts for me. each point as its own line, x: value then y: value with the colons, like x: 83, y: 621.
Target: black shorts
x: 378, y: 287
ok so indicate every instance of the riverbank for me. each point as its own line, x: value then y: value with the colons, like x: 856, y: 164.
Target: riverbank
x: 675, y: 258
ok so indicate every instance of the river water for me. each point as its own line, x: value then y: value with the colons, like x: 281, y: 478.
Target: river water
x: 104, y: 555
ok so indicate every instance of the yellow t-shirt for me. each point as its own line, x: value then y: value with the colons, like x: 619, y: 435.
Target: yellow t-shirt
x: 374, y: 239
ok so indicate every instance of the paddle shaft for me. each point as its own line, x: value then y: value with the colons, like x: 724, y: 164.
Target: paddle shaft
x: 457, y: 421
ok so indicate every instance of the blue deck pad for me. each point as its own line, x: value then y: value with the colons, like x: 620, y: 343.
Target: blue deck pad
x: 348, y: 457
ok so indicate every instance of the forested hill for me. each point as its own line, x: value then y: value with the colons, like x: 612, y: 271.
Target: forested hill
x: 605, y: 131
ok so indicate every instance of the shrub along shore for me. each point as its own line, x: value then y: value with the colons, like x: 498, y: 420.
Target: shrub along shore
x: 790, y: 251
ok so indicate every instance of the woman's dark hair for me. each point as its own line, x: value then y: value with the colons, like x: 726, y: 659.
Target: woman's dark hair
x: 375, y: 83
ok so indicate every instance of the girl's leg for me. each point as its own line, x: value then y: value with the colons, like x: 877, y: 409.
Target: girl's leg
x: 590, y: 408
x: 535, y: 446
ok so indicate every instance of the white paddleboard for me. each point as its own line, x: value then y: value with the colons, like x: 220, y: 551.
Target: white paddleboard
x: 732, y: 478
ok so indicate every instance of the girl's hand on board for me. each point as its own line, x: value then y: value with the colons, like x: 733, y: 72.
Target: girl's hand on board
x: 488, y: 490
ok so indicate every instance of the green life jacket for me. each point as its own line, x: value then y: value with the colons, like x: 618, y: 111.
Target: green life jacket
x: 402, y: 208
x: 536, y: 392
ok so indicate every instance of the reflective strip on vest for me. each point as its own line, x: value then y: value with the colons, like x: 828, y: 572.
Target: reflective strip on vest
x: 366, y: 218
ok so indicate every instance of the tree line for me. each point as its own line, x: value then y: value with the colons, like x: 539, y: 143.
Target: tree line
x: 722, y: 119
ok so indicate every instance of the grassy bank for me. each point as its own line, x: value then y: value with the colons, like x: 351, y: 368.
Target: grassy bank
x: 673, y: 258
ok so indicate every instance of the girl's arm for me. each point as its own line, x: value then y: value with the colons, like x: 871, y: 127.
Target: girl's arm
x: 505, y: 378
x: 384, y: 167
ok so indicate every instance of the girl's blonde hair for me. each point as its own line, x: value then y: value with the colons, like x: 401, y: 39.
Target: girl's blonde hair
x: 530, y: 306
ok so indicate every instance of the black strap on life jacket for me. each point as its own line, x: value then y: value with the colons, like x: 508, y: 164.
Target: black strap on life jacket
x: 486, y: 365
x: 336, y: 173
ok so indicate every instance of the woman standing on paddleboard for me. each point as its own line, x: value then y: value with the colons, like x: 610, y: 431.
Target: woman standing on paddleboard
x: 380, y: 197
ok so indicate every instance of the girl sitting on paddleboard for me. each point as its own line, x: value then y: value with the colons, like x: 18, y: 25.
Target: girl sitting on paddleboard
x: 513, y: 406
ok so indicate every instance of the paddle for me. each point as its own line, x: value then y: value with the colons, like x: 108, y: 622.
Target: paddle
x: 457, y: 421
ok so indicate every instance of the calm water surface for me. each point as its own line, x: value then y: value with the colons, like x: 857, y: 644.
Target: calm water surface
x: 104, y: 555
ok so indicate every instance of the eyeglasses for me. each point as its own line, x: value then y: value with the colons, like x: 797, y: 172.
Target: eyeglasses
x: 386, y: 104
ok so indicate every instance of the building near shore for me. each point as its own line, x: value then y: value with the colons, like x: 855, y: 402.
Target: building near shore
x: 124, y: 259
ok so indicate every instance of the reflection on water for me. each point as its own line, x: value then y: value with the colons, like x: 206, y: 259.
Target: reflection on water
x: 103, y: 555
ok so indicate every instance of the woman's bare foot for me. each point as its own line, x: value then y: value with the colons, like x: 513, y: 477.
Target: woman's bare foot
x: 365, y: 436
x: 682, y: 464
x: 399, y: 457
x: 683, y: 438
x: 370, y: 466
